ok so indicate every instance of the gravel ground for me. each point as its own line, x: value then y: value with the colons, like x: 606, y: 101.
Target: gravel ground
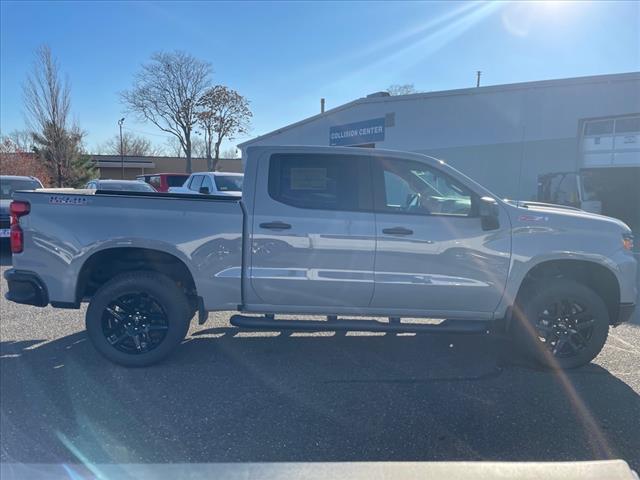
x: 230, y: 396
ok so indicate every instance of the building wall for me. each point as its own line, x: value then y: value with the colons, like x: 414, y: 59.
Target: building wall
x: 170, y: 165
x: 502, y: 136
x: 511, y: 169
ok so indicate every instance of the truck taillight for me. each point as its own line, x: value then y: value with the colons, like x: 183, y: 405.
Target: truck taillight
x: 17, y: 209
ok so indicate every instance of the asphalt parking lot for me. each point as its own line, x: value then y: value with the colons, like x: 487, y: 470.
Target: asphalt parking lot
x: 230, y: 396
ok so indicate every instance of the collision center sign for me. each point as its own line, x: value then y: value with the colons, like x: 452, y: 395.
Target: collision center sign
x: 367, y: 131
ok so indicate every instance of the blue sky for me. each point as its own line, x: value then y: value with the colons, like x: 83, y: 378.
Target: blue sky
x: 284, y: 56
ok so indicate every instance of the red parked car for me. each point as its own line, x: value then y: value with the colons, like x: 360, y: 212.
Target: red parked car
x: 162, y: 181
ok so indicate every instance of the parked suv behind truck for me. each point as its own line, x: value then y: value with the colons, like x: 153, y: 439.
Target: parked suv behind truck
x: 341, y: 232
x: 8, y: 185
x: 162, y: 182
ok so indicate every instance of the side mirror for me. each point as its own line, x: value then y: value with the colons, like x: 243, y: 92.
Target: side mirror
x: 204, y: 190
x: 489, y: 213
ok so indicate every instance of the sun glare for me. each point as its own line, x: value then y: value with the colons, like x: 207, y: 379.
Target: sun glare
x: 520, y: 18
x: 551, y: 4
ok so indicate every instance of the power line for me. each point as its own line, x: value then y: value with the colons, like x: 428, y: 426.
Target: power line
x: 148, y: 133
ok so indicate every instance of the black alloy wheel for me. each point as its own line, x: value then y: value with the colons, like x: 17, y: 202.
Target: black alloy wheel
x: 134, y: 323
x: 565, y: 327
x: 560, y: 323
x: 137, y: 319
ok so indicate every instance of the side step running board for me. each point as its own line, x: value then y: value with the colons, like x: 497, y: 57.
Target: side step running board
x: 446, y: 326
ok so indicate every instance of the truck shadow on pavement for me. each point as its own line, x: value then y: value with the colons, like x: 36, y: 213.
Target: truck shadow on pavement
x: 231, y: 396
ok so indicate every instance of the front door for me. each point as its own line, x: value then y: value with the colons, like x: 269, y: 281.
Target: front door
x: 432, y: 253
x: 313, y: 232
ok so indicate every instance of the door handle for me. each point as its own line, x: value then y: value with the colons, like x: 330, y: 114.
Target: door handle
x: 398, y: 231
x: 275, y: 226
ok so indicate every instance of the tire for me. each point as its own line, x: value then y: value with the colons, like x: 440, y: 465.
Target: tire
x: 137, y: 319
x: 560, y: 323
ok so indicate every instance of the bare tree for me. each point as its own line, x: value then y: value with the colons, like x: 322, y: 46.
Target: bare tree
x: 401, y: 89
x: 223, y: 113
x: 173, y: 148
x: 19, y: 140
x: 230, y: 152
x: 47, y: 102
x: 165, y: 92
x: 131, y: 145
x: 199, y: 147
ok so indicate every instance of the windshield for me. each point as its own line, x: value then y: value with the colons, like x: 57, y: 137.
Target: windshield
x: 128, y: 186
x: 8, y: 186
x: 228, y: 183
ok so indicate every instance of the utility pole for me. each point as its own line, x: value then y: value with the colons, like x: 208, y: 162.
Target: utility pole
x: 120, y: 122
x: 478, y: 74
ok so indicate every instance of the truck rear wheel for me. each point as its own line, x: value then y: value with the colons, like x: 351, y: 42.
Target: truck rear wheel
x: 137, y: 318
x: 561, y: 323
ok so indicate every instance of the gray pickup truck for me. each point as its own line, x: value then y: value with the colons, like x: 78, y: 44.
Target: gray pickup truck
x: 401, y: 238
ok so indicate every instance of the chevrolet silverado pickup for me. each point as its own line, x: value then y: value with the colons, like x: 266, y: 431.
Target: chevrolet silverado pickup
x: 339, y: 233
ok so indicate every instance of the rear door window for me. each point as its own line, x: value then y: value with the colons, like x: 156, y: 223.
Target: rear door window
x: 206, y: 182
x: 155, y: 181
x: 196, y: 183
x: 316, y: 181
x: 176, y: 180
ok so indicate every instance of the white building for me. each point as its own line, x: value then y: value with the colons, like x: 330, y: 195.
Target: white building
x: 507, y: 137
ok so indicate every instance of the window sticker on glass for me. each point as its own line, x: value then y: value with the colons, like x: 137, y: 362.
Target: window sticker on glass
x: 308, y: 179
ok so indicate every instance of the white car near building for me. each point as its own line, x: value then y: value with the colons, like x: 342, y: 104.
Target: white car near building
x: 212, y: 183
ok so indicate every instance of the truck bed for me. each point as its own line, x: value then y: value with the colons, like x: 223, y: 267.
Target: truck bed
x: 66, y: 228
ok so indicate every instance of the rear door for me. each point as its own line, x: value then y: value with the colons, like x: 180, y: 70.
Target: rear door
x: 313, y: 240
x: 196, y: 183
x: 206, y: 182
x: 433, y: 255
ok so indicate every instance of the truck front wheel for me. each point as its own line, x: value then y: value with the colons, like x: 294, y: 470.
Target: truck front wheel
x: 560, y: 323
x: 138, y: 318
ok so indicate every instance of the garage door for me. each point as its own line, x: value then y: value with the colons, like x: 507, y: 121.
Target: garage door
x: 612, y: 142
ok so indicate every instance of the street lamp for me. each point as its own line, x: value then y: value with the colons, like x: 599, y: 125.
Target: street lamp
x: 120, y: 122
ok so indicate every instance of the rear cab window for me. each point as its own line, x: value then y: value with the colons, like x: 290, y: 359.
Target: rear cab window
x: 229, y: 183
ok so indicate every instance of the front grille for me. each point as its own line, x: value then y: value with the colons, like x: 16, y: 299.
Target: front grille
x: 4, y: 221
